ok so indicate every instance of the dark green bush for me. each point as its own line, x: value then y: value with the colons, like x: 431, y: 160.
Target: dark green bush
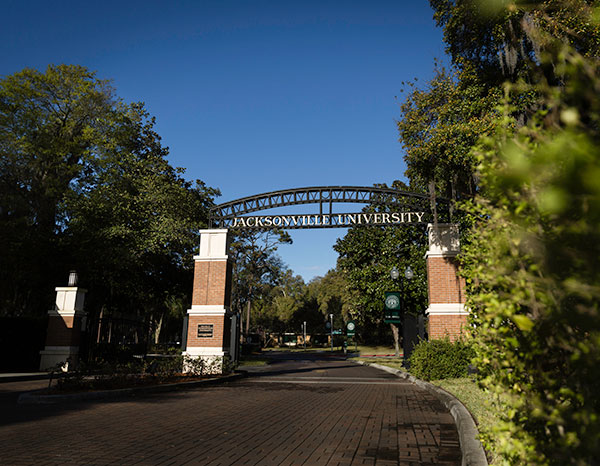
x: 441, y: 359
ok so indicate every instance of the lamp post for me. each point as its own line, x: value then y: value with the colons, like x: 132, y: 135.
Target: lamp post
x: 304, y: 326
x: 407, y: 341
x: 409, y: 326
x: 73, y: 278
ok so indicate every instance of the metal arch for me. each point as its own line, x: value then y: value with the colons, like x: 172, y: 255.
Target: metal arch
x: 322, y: 195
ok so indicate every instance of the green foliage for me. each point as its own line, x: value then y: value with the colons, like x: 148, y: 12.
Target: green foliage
x: 531, y: 257
x: 49, y: 124
x: 85, y: 184
x: 257, y: 270
x: 482, y: 405
x: 441, y: 359
x: 367, y: 254
x: 504, y: 39
x: 113, y: 353
x: 332, y: 295
x: 438, y: 127
x: 532, y: 267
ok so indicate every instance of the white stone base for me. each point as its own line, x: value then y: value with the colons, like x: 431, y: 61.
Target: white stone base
x: 204, y: 360
x: 52, y: 356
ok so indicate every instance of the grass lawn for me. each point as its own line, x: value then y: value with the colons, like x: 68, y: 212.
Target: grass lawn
x: 479, y: 402
x: 298, y: 349
x: 252, y: 361
x: 396, y: 363
x: 362, y: 349
x: 374, y: 350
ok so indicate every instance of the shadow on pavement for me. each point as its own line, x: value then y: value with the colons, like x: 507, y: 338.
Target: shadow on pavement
x: 13, y: 413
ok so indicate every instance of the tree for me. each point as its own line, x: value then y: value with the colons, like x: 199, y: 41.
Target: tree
x: 131, y: 202
x: 50, y: 124
x: 257, y: 268
x: 334, y: 297
x: 439, y: 126
x: 490, y: 43
x: 87, y: 185
x: 504, y: 40
x: 366, y: 256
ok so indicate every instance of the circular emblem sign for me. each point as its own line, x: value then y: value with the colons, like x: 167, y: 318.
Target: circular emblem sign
x: 392, y: 302
x: 350, y: 326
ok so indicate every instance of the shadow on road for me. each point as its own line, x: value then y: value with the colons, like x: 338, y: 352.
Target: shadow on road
x: 283, y: 363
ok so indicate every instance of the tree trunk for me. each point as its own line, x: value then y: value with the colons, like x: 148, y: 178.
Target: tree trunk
x: 432, y: 200
x: 158, y: 329
x: 396, y: 339
x: 453, y: 184
x: 248, y: 317
x: 100, y: 324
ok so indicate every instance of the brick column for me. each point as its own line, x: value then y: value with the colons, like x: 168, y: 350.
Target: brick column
x: 446, y: 311
x: 209, y: 319
x: 65, y: 323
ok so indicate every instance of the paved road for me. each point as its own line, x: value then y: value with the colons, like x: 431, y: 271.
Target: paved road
x: 310, y: 412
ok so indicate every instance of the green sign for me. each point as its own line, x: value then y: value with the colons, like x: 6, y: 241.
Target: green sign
x: 393, y: 308
x: 392, y: 300
x: 350, y: 328
x: 392, y: 317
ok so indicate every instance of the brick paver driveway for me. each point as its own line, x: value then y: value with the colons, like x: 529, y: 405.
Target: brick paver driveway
x: 312, y: 412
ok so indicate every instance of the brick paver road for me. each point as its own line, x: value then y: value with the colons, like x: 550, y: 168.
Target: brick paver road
x: 311, y: 412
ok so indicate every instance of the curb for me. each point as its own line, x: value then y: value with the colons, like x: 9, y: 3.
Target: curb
x: 470, y: 446
x: 24, y: 378
x: 34, y: 397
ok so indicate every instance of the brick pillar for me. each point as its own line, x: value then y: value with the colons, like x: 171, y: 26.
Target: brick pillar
x: 65, y: 323
x: 446, y: 311
x: 209, y: 319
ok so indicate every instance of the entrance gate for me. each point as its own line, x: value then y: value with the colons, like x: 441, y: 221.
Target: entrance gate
x: 211, y: 326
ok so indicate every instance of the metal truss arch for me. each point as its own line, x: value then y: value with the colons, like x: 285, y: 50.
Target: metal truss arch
x: 222, y: 215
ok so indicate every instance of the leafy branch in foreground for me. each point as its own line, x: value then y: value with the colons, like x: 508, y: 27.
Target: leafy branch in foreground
x: 532, y: 266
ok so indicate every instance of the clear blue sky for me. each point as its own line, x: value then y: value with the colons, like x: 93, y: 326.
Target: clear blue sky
x: 250, y: 96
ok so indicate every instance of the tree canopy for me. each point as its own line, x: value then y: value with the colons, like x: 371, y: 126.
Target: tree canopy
x: 85, y: 184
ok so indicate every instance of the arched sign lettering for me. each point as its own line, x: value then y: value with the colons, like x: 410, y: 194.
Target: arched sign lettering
x: 391, y: 207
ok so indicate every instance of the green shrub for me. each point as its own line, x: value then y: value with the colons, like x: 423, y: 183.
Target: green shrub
x: 440, y: 359
x: 533, y: 274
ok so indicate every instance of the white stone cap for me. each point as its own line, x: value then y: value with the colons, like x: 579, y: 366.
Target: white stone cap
x: 69, y: 299
x: 207, y: 310
x: 213, y: 244
x: 204, y: 351
x: 211, y: 259
x: 437, y: 309
x: 443, y: 240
